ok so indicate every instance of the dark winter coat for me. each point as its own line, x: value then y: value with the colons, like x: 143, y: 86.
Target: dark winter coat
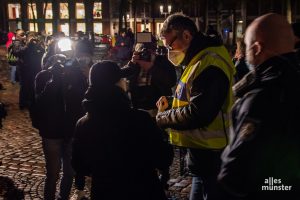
x: 265, y: 133
x: 121, y: 148
x: 58, y: 103
x: 29, y: 64
x: 241, y: 68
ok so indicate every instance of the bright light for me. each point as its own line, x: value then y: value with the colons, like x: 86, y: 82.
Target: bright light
x: 64, y: 44
x: 169, y: 9
x: 161, y: 9
x: 240, y: 21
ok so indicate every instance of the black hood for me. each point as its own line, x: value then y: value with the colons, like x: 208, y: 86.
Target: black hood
x: 105, y: 101
x: 198, y: 43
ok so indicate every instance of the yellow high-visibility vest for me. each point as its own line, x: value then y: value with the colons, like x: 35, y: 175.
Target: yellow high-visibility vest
x: 214, y: 135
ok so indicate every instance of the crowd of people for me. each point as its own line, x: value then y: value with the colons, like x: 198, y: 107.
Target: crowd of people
x: 236, y: 117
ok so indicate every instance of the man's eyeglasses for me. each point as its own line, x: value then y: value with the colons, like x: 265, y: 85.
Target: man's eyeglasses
x: 169, y: 46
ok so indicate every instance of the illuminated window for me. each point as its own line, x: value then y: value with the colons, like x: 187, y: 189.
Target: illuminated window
x: 64, y: 10
x: 80, y: 13
x: 80, y: 27
x: 14, y: 25
x: 14, y: 10
x: 32, y: 11
x: 97, y: 11
x: 65, y: 28
x: 49, y: 11
x: 49, y: 28
x: 31, y: 27
x: 98, y: 28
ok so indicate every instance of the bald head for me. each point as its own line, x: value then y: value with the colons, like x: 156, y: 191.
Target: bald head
x: 268, y: 36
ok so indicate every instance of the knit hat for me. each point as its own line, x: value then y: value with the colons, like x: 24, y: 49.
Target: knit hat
x: 296, y: 29
x: 104, y: 74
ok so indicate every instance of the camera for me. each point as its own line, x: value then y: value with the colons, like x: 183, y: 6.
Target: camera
x: 3, y: 113
x: 145, y: 55
x: 144, y: 45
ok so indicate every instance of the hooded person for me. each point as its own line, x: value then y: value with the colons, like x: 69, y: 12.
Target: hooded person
x: 113, y: 141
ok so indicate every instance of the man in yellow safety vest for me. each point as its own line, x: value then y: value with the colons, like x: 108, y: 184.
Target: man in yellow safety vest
x: 198, y: 117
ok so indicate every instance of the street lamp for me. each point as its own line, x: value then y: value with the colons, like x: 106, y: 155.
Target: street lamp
x: 161, y: 10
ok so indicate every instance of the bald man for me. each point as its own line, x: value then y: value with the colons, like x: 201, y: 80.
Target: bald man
x: 264, y: 150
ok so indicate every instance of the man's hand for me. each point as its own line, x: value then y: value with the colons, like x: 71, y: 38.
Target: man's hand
x: 162, y: 104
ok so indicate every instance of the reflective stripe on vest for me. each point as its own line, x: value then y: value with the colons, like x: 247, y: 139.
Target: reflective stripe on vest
x: 213, y: 136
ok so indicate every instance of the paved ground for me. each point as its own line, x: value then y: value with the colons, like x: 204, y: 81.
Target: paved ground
x: 22, y: 172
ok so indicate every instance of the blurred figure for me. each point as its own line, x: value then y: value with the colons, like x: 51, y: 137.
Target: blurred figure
x: 29, y: 53
x: 114, y: 39
x: 130, y: 34
x: 239, y: 60
x: 115, y: 142
x: 263, y: 153
x: 214, y: 34
x: 123, y: 47
x: 12, y: 62
x: 59, y: 92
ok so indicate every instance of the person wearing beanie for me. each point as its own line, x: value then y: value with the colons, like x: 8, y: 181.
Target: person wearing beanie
x: 115, y: 142
x: 59, y: 91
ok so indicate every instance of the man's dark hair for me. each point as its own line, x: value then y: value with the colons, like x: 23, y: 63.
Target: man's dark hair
x: 179, y: 22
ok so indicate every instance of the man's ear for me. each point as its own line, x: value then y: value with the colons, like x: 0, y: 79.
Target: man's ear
x: 258, y: 47
x: 186, y: 35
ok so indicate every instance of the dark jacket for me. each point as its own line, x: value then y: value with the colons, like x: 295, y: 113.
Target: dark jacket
x: 28, y: 65
x: 209, y: 91
x: 58, y: 103
x: 124, y: 50
x: 265, y: 139
x: 114, y: 142
x: 241, y: 68
x: 163, y: 78
x: 30, y: 55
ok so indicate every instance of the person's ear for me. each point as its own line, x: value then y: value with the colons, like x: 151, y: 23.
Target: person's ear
x: 186, y: 35
x: 258, y: 47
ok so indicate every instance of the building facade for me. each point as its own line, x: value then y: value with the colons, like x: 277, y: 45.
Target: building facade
x: 52, y: 16
x: 229, y: 17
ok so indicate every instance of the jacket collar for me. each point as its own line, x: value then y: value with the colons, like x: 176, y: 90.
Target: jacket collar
x: 198, y: 43
x: 266, y: 73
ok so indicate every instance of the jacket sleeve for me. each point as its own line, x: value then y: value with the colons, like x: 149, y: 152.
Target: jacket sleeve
x: 80, y: 150
x: 19, y: 48
x: 208, y: 93
x: 161, y: 151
